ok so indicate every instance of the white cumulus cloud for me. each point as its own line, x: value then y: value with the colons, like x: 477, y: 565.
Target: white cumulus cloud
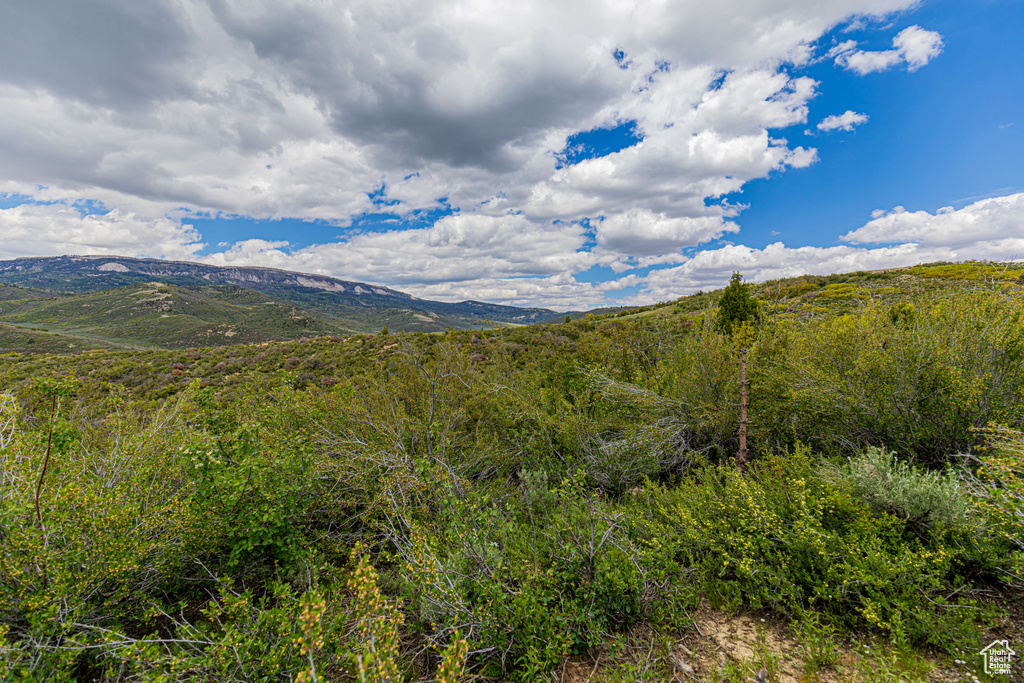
x: 977, y: 226
x: 456, y: 249
x: 988, y: 229
x: 642, y: 232
x: 913, y: 47
x: 845, y: 121
x: 56, y: 229
x: 304, y: 108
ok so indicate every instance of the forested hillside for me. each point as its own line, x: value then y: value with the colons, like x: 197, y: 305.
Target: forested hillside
x: 548, y: 502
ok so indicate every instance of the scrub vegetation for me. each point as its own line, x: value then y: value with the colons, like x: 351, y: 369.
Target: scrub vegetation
x: 548, y: 502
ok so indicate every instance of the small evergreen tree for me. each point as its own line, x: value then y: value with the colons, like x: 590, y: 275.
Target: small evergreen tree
x: 736, y: 306
x: 384, y: 330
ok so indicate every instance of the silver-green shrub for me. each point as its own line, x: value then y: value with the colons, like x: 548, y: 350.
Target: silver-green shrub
x: 923, y: 498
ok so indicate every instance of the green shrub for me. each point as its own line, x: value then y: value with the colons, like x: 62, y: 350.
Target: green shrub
x: 927, y: 500
x: 787, y: 539
x: 252, y: 497
x: 237, y: 636
x: 537, y: 498
x: 528, y: 592
x: 917, y: 385
x: 113, y: 530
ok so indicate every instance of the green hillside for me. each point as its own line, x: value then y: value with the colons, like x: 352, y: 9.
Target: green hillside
x: 808, y: 296
x: 158, y: 314
x: 33, y: 339
x: 353, y: 305
x: 15, y: 293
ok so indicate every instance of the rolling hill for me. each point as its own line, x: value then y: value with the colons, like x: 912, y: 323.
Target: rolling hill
x: 150, y: 302
x: 158, y: 314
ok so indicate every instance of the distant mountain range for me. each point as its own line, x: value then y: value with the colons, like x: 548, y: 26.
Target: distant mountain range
x: 151, y: 302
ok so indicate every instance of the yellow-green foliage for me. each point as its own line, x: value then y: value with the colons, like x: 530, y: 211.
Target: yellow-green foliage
x: 114, y: 520
x: 843, y: 290
x: 744, y: 335
x: 236, y: 637
x: 854, y: 291
x: 966, y: 271
x: 788, y: 289
x: 375, y: 657
x: 917, y: 383
x: 311, y: 638
x: 453, y: 662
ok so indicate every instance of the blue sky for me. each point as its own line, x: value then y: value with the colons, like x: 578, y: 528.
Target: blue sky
x: 534, y: 155
x: 947, y: 135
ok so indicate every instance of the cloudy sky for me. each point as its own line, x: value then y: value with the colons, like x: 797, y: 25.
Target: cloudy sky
x: 555, y: 153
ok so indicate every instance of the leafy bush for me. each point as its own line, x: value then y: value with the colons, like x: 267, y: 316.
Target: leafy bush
x: 527, y: 594
x: 237, y: 636
x: 787, y: 539
x: 917, y: 387
x: 253, y: 498
x: 114, y: 527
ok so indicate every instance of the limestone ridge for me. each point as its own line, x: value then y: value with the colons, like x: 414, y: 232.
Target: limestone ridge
x: 45, y: 270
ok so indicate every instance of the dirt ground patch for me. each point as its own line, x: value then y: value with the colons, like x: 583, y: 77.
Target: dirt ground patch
x: 736, y: 648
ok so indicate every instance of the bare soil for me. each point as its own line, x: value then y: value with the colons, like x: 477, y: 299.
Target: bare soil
x: 724, y: 646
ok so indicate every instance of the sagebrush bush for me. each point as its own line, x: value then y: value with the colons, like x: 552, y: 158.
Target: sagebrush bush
x: 537, y: 497
x: 926, y: 499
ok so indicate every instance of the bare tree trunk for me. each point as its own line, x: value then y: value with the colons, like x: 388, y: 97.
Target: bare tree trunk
x: 46, y: 460
x: 741, y: 457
